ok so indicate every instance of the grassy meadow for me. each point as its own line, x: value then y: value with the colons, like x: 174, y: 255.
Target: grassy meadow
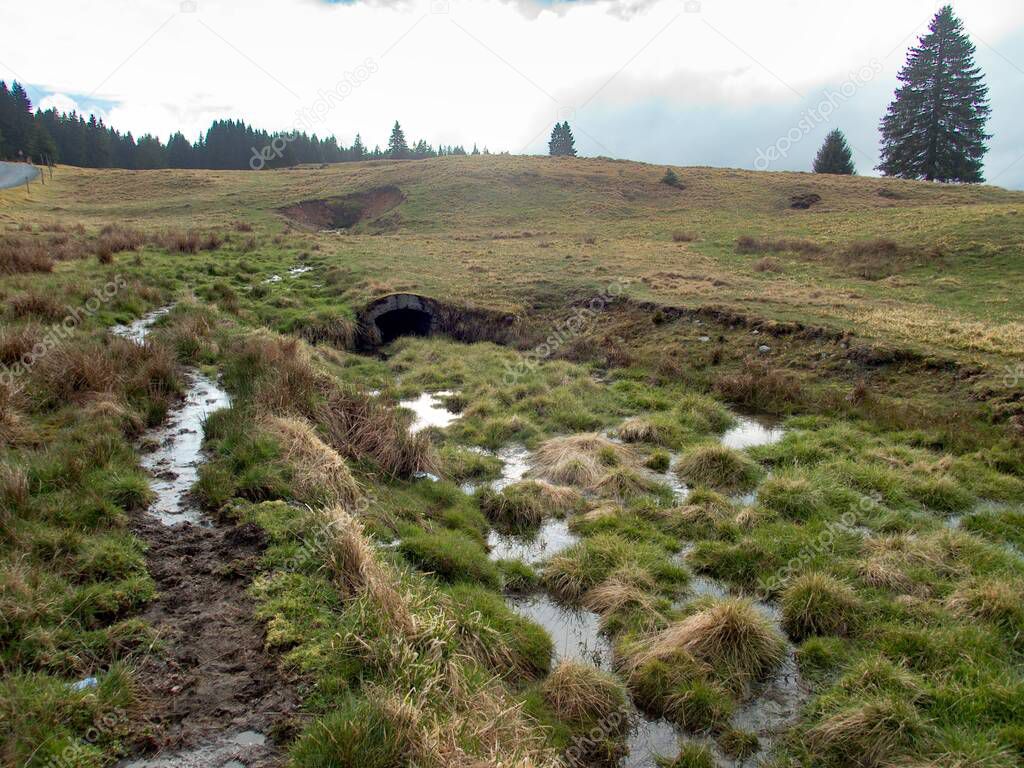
x: 872, y: 550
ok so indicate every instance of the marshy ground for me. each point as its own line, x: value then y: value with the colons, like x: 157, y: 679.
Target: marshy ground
x: 696, y: 478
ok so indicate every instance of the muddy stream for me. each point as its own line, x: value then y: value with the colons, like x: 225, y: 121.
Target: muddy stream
x: 212, y: 693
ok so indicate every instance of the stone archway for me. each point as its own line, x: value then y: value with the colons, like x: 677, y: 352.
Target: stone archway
x: 400, y: 314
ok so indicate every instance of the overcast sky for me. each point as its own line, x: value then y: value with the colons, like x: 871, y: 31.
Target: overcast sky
x: 740, y: 83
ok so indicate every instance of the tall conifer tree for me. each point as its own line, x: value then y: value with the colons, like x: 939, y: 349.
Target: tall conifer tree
x: 935, y: 127
x: 834, y: 155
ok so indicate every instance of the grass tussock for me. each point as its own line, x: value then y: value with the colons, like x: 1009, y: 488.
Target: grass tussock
x: 355, y: 569
x: 114, y: 239
x: 320, y: 473
x: 760, y: 387
x: 452, y: 556
x: 716, y: 466
x: 36, y: 305
x: 638, y: 430
x: 17, y: 342
x: 579, y: 693
x: 728, y: 635
x: 881, y: 258
x: 527, y: 503
x: 993, y: 600
x: 77, y: 373
x: 819, y: 604
x: 337, y: 331
x: 577, y: 460
x: 768, y: 264
x: 580, y: 460
x: 869, y: 735
x: 361, y: 425
x: 624, y: 484
x: 752, y: 245
x: 575, y: 571
x: 20, y: 255
x: 190, y: 241
x: 628, y: 588
x: 279, y: 377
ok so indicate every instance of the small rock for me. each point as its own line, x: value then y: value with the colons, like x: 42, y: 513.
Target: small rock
x: 704, y: 339
x: 88, y: 682
x: 764, y: 349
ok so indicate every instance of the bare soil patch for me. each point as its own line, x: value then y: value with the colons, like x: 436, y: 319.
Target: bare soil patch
x: 210, y: 677
x: 345, y: 211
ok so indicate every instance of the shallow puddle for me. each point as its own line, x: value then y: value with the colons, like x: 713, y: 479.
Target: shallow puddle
x: 429, y: 410
x: 575, y: 631
x: 750, y: 433
x: 515, y: 461
x: 235, y: 751
x: 551, y: 538
x: 514, y: 464
x: 137, y: 330
x: 174, y: 462
x: 649, y: 740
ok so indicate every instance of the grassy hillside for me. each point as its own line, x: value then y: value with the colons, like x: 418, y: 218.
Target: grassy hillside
x: 510, y: 231
x: 835, y: 582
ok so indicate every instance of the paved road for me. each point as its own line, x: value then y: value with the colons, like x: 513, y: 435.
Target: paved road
x: 14, y: 174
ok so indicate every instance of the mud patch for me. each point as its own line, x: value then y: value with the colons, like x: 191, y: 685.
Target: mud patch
x: 345, y: 211
x: 804, y: 201
x: 215, y: 682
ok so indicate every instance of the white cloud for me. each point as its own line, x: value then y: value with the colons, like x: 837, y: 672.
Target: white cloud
x: 59, y: 101
x: 498, y: 72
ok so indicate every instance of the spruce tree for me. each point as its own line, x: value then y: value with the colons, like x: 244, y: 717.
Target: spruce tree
x: 397, y: 147
x: 555, y: 142
x: 570, y: 142
x: 834, y: 155
x: 562, y: 143
x: 358, y: 150
x: 935, y: 127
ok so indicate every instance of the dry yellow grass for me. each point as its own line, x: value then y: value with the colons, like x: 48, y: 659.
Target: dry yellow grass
x: 320, y: 473
x: 578, y: 460
x: 729, y: 635
x: 452, y: 709
x: 507, y: 219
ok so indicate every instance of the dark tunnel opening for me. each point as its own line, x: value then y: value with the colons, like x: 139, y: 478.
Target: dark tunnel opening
x: 403, y: 322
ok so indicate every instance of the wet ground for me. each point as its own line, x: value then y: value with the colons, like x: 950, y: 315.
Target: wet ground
x: 212, y: 691
x: 174, y: 461
x: 429, y: 410
x: 576, y: 633
x: 238, y: 751
x: 750, y: 432
x: 550, y: 538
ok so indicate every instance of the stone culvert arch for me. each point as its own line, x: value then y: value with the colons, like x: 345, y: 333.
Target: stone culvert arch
x: 408, y: 314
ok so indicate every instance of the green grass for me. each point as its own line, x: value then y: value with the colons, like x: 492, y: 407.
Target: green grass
x: 581, y: 567
x: 907, y: 633
x: 715, y: 466
x: 450, y: 555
